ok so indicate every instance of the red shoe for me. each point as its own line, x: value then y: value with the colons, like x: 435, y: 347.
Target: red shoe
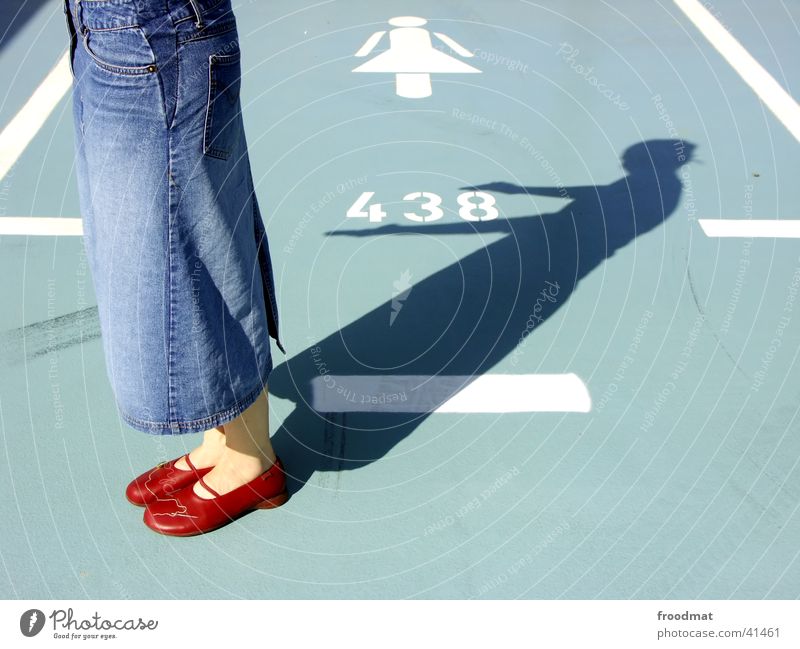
x: 187, y: 514
x: 164, y: 479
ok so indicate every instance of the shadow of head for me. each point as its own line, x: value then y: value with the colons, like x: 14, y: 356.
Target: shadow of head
x: 657, y: 156
x: 651, y: 190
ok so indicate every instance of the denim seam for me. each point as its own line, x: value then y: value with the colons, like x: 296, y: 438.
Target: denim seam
x: 130, y: 70
x: 211, y: 99
x: 208, y: 32
x: 209, y: 105
x: 191, y: 15
x: 270, y: 276
x: 227, y: 414
x: 170, y: 289
x: 113, y: 29
x: 272, y: 305
x: 171, y: 397
x: 198, y: 13
x: 73, y: 39
x: 171, y: 124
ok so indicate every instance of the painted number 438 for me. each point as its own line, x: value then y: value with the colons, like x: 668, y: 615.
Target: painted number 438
x: 473, y: 206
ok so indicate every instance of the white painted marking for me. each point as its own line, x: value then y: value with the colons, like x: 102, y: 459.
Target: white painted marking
x: 411, y: 57
x: 780, y: 102
x: 372, y: 41
x: 783, y: 229
x: 41, y: 225
x: 24, y: 126
x: 521, y: 393
x: 458, y: 49
x: 447, y: 393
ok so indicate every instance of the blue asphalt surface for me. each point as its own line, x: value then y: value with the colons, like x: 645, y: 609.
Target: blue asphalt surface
x: 681, y: 482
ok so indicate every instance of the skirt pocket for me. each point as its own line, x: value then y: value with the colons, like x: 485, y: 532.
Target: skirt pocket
x: 123, y: 50
x: 223, y: 110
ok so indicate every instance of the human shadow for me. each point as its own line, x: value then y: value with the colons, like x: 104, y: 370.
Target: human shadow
x: 464, y: 319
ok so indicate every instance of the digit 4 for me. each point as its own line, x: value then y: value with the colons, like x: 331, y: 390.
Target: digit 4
x: 375, y: 213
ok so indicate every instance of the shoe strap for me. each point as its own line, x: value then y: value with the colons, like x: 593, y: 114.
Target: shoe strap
x: 203, y: 482
x: 189, y: 462
x: 199, y: 477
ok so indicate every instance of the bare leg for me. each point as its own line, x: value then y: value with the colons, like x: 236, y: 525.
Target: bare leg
x: 208, y: 453
x: 247, y: 452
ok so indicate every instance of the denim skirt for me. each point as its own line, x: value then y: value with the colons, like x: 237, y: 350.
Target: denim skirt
x: 173, y: 235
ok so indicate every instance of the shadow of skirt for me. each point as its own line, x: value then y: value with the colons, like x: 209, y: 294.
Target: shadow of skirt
x: 178, y: 255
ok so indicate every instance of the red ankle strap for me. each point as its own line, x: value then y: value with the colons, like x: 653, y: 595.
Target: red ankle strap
x: 189, y: 462
x: 210, y: 490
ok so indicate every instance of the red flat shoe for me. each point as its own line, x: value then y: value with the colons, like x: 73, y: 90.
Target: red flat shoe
x: 187, y: 514
x: 165, y: 479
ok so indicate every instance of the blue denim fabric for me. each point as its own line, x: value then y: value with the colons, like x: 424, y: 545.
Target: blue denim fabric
x: 176, y: 246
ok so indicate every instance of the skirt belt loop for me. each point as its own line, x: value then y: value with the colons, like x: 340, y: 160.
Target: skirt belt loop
x: 197, y: 13
x: 79, y: 17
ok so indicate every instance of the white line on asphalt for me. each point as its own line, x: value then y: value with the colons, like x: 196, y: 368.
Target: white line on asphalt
x: 780, y: 102
x: 24, y: 126
x: 783, y: 229
x: 41, y: 226
x: 450, y: 393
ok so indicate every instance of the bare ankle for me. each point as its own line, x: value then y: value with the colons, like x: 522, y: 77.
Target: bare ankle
x: 250, y: 459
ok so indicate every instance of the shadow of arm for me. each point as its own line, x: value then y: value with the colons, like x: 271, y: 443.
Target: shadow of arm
x: 458, y: 227
x: 567, y: 193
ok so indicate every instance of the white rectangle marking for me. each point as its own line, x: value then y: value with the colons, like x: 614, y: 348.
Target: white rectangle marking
x: 775, y: 228
x: 41, y: 226
x: 449, y: 393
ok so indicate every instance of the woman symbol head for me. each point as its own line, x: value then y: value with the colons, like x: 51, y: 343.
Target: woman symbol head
x: 407, y: 21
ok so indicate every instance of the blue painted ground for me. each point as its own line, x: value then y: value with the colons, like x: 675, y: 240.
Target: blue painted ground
x: 682, y: 481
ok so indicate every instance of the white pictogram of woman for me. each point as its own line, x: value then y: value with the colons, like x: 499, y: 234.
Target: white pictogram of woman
x: 412, y: 57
